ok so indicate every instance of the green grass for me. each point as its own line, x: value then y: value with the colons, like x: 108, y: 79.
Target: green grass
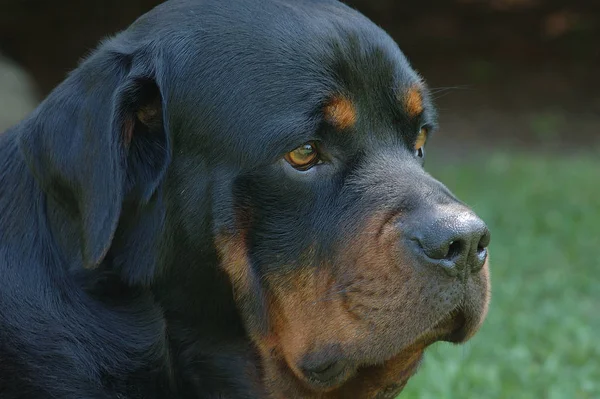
x: 542, y: 335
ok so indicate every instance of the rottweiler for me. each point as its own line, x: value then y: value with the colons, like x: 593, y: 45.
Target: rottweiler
x: 228, y: 200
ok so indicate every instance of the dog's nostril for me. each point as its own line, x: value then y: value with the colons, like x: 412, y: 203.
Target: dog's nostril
x: 484, y: 241
x: 481, y: 249
x: 482, y: 252
x: 454, y: 250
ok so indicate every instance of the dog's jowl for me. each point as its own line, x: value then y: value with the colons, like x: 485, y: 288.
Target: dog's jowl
x: 227, y: 200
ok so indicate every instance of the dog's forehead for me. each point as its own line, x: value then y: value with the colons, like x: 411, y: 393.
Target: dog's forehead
x: 265, y: 67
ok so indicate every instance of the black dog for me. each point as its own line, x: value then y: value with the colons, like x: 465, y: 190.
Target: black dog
x: 227, y: 200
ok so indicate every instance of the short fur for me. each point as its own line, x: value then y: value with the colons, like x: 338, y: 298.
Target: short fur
x: 154, y: 242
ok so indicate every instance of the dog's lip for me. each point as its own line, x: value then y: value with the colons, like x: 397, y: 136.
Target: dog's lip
x: 456, y: 328
x: 333, y: 375
x: 451, y: 328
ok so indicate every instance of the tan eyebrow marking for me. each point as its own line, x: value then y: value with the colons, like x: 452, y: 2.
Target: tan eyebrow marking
x: 413, y: 100
x: 340, y: 111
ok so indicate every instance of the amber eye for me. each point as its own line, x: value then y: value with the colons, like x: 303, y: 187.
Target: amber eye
x: 304, y: 157
x: 420, y: 143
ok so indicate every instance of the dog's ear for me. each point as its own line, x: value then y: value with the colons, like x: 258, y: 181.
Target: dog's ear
x: 99, y: 140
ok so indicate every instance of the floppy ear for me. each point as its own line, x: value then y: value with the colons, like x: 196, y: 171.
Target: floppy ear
x: 98, y: 140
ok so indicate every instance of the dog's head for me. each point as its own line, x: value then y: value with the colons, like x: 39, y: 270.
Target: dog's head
x: 288, y: 138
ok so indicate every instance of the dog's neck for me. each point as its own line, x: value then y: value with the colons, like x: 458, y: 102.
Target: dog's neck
x: 205, y: 339
x: 205, y: 333
x: 183, y: 289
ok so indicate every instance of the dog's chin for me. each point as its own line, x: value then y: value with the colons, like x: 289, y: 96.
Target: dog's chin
x: 457, y: 327
x: 387, y: 376
x: 379, y: 363
x: 459, y: 330
x: 452, y: 328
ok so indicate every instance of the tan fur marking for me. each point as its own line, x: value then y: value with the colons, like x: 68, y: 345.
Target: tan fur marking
x: 341, y: 113
x: 413, y: 101
x: 307, y: 312
x: 391, y: 375
x: 375, y: 300
x: 234, y: 260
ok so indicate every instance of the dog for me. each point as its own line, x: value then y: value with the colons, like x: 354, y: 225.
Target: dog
x: 228, y: 200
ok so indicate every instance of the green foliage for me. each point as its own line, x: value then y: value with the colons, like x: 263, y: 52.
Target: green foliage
x: 542, y: 335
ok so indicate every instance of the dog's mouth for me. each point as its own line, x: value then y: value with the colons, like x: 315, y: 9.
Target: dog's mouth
x: 328, y: 376
x: 459, y: 331
x: 365, y: 344
x: 453, y: 328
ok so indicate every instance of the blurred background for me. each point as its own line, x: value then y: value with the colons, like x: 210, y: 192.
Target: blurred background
x: 517, y: 83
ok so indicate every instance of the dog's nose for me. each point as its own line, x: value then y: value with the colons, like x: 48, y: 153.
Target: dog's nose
x: 453, y: 241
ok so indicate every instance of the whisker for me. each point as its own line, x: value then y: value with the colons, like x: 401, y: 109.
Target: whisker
x: 447, y: 88
x: 442, y: 95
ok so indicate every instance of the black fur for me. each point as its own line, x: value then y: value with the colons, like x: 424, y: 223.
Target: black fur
x: 113, y: 191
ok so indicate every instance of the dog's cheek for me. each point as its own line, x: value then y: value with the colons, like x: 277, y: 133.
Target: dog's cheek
x: 247, y: 291
x: 307, y: 313
x: 305, y: 316
x: 383, y: 289
x: 357, y: 304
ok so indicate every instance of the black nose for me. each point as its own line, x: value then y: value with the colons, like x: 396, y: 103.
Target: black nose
x: 453, y: 240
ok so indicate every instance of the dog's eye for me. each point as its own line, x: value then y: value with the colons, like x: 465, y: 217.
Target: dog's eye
x: 420, y: 143
x: 304, y: 157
